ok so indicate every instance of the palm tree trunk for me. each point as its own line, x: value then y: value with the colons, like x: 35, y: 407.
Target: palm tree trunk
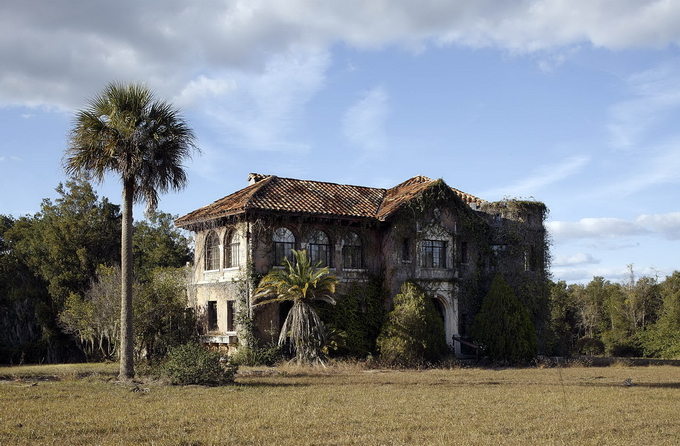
x: 126, y: 340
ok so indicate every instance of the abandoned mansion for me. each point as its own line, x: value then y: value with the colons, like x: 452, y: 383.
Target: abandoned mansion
x: 449, y: 242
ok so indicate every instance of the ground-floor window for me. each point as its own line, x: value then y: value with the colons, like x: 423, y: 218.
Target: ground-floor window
x: 230, y: 316
x: 212, y: 315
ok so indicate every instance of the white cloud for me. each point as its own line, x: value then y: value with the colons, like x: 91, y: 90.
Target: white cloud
x: 602, y: 228
x: 666, y: 225
x: 661, y: 225
x: 58, y: 53
x: 203, y: 88
x: 364, y: 123
x: 580, y: 258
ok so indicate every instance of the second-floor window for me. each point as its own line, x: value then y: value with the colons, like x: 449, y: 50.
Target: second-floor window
x: 352, y: 257
x: 319, y: 249
x: 284, y: 243
x: 212, y: 252
x: 231, y: 244
x: 433, y: 254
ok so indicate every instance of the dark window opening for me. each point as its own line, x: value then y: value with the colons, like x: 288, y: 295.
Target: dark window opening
x: 440, y: 309
x: 284, y: 309
x: 212, y: 315
x: 406, y: 250
x: 463, y: 252
x: 230, y: 316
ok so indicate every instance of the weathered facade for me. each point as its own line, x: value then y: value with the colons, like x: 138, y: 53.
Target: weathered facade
x: 422, y: 230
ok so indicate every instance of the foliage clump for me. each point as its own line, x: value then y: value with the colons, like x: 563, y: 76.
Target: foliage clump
x: 301, y: 283
x: 413, y: 333
x: 192, y: 363
x: 355, y: 322
x: 503, y: 325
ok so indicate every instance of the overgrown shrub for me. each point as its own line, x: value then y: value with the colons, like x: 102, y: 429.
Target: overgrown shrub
x: 354, y: 323
x: 267, y: 355
x: 413, y: 333
x: 503, y: 325
x: 194, y: 364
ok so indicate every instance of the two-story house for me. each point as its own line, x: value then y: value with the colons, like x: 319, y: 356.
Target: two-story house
x: 420, y: 230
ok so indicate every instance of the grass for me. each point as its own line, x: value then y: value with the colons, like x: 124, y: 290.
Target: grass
x: 345, y: 405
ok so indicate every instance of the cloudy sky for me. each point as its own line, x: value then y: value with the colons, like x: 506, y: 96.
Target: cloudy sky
x: 575, y: 103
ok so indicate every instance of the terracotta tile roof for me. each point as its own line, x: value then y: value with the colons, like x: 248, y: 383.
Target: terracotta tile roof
x: 270, y: 193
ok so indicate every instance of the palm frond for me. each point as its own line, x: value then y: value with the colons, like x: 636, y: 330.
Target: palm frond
x: 302, y: 283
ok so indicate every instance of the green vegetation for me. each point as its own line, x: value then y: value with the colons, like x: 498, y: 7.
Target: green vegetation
x: 413, y: 333
x: 344, y: 405
x: 357, y: 318
x: 126, y: 131
x: 503, y: 326
x: 301, y: 283
x: 192, y: 363
x: 60, y: 279
x: 637, y: 317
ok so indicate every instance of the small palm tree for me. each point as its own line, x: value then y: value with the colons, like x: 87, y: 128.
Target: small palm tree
x: 301, y: 283
x: 126, y: 131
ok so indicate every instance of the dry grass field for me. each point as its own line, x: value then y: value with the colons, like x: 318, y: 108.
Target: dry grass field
x: 345, y: 405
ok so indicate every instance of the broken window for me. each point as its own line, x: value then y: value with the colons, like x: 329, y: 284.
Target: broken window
x: 319, y: 249
x: 352, y: 257
x: 433, y: 254
x: 284, y: 243
x: 212, y: 252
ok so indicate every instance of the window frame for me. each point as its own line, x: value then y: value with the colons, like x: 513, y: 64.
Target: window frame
x: 319, y: 248
x: 283, y: 248
x: 433, y: 254
x: 211, y: 252
x: 231, y: 249
x: 352, y: 252
x: 212, y: 319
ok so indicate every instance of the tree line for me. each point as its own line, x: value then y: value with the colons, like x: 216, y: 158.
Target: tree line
x: 638, y: 316
x: 60, y: 281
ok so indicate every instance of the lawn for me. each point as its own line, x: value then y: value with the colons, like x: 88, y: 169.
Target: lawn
x: 344, y: 404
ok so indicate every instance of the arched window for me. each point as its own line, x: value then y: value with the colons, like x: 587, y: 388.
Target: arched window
x: 319, y: 249
x: 212, y: 252
x: 284, y: 243
x: 231, y: 243
x: 352, y: 257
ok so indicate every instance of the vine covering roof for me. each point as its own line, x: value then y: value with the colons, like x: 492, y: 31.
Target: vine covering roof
x: 272, y: 194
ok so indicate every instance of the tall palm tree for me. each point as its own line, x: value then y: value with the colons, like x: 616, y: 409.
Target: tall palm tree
x: 126, y: 131
x: 301, y: 283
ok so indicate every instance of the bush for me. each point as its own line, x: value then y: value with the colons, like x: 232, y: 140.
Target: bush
x: 414, y: 332
x: 194, y: 364
x: 267, y: 355
x: 503, y: 325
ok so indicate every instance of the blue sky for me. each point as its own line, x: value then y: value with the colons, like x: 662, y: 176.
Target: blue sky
x: 575, y: 103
